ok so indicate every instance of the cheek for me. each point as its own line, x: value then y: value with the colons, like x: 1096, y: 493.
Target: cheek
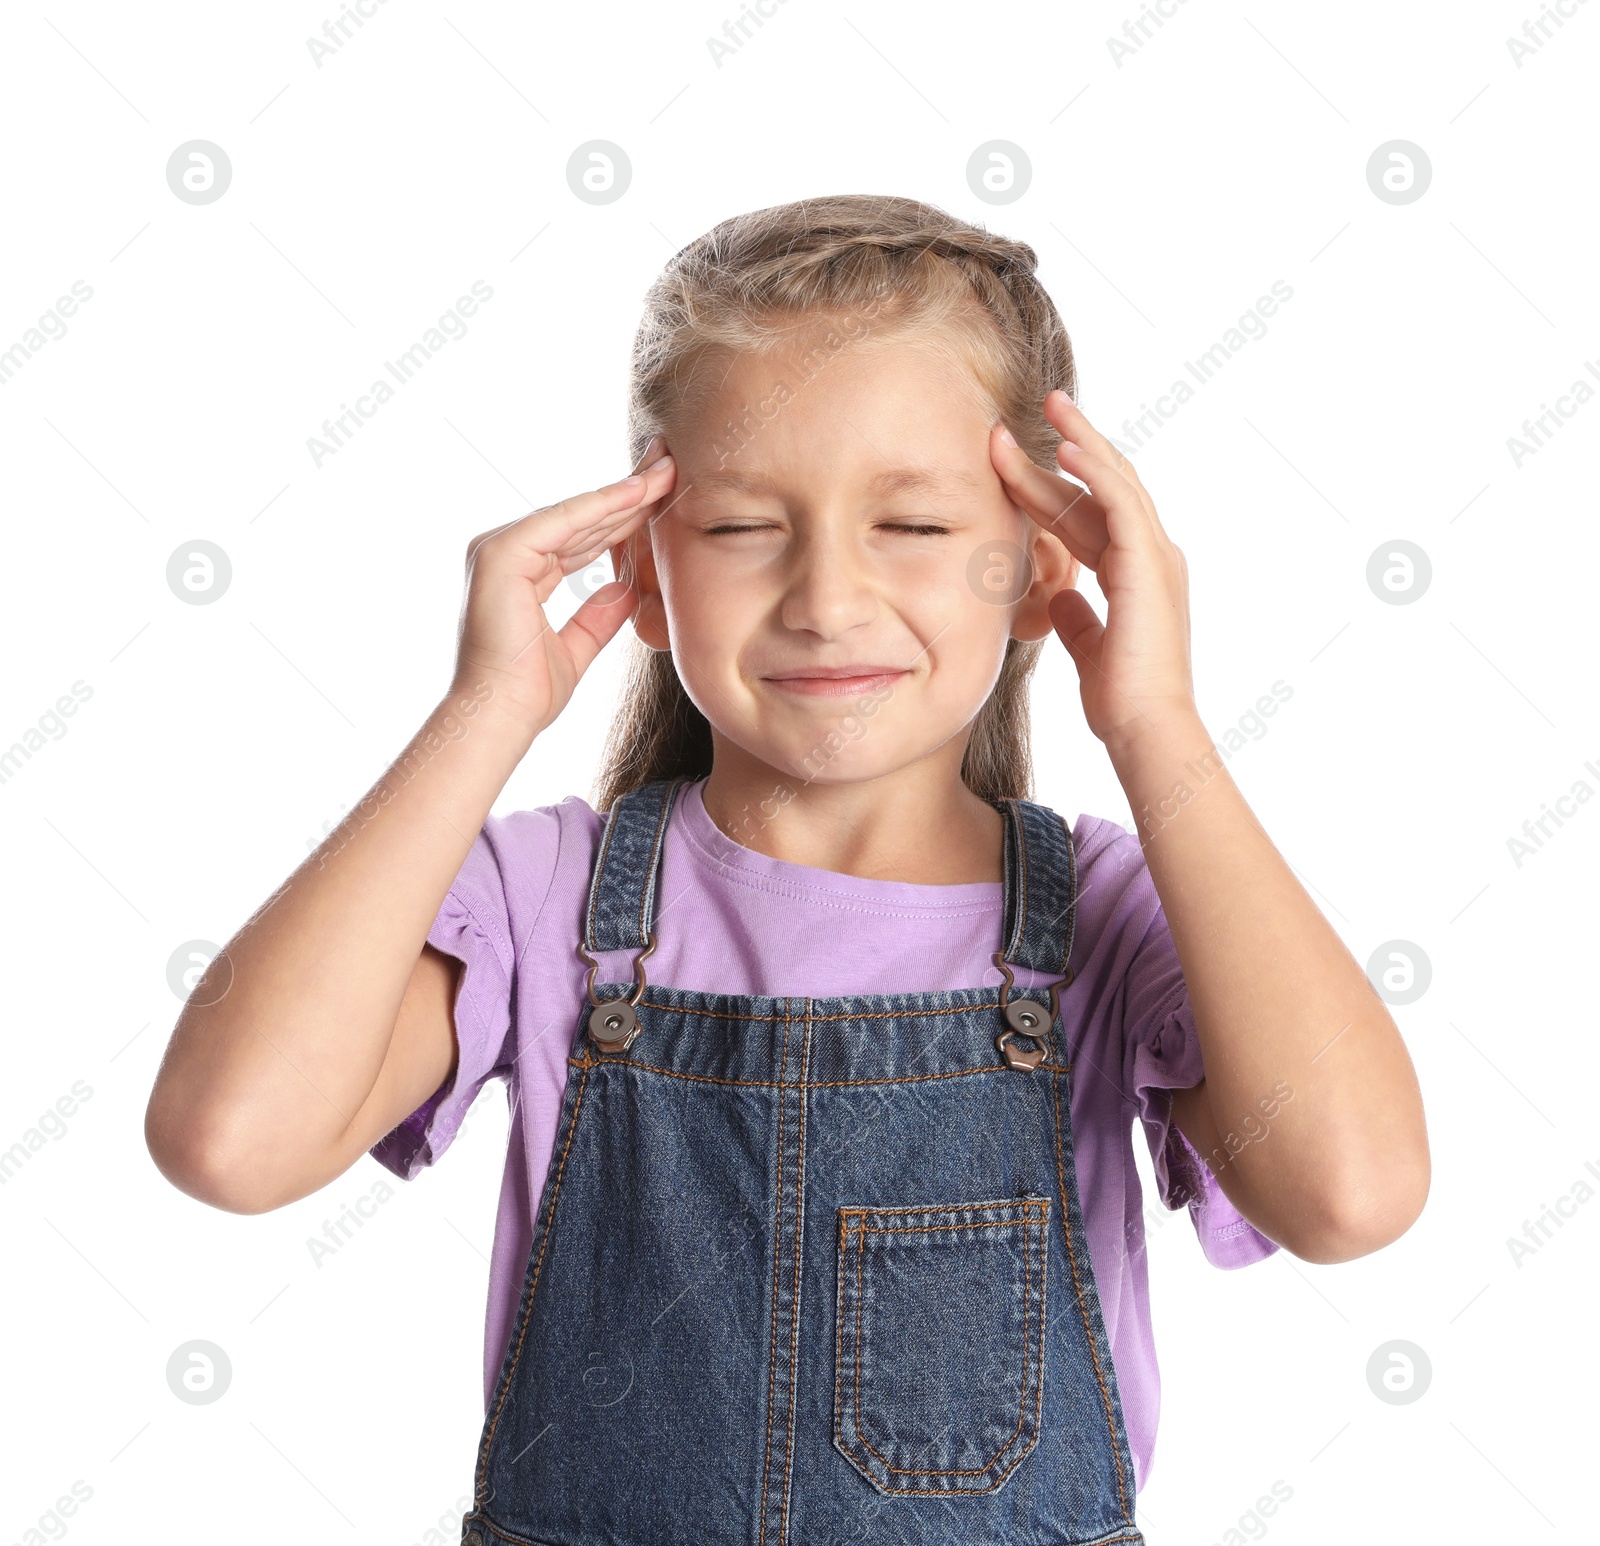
x: 969, y: 630
x: 997, y: 570
x: 708, y: 611
x: 969, y: 592
x: 928, y: 581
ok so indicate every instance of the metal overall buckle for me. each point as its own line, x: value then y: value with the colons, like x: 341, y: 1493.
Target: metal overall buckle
x: 613, y: 1022
x: 1026, y: 1020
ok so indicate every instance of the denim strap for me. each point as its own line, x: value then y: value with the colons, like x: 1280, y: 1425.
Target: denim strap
x: 1040, y: 878
x: 622, y: 893
x: 1041, y: 887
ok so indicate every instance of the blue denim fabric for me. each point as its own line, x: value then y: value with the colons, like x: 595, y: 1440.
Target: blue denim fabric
x: 810, y: 1271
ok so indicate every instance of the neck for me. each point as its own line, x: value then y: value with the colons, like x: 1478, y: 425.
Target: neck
x: 918, y: 823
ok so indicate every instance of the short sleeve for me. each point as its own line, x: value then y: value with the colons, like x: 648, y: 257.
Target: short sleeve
x: 473, y: 925
x: 1162, y: 1054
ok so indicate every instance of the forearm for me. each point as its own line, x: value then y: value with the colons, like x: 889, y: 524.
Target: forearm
x: 284, y: 1036
x: 1287, y: 1021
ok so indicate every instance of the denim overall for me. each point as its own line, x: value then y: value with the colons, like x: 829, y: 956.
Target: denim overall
x: 810, y: 1271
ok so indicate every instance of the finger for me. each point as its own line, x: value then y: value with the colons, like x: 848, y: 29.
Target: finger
x: 629, y: 504
x: 1078, y: 626
x: 585, y: 520
x: 573, y: 562
x: 596, y: 622
x: 1074, y: 619
x: 1074, y: 426
x: 653, y: 453
x: 615, y: 526
x: 1113, y: 510
x: 1075, y: 515
x: 1120, y: 484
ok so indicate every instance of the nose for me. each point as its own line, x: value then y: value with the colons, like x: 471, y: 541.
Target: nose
x: 828, y: 589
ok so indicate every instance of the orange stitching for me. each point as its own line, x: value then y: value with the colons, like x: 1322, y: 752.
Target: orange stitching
x: 518, y: 1540
x: 1030, y: 1214
x: 1022, y: 884
x: 1027, y: 1285
x: 538, y: 1267
x: 778, y: 1084
x: 777, y: 1238
x: 794, y: 1308
x: 1072, y: 893
x: 1028, y: 1205
x: 838, y: 1333
x: 941, y: 1229
x: 860, y: 1339
x: 484, y: 1523
x: 1083, y: 1309
x: 655, y: 858
x: 861, y: 1251
x: 813, y: 1084
x: 985, y: 1002
x: 1044, y: 1320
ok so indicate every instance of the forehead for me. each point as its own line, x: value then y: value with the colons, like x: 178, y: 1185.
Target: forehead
x: 887, y: 481
x: 891, y: 418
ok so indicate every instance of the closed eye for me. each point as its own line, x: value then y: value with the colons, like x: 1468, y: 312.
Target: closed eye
x: 918, y: 528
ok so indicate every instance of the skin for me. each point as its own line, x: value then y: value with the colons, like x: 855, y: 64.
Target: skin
x: 292, y: 1058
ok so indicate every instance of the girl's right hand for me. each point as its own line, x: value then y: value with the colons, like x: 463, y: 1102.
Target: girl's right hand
x: 514, y: 569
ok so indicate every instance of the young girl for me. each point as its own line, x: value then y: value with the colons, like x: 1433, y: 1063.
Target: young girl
x: 820, y: 1220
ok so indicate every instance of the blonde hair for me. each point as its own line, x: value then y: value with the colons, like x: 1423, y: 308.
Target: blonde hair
x: 918, y: 276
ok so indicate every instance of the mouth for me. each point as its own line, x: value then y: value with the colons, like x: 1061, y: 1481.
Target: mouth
x: 836, y: 681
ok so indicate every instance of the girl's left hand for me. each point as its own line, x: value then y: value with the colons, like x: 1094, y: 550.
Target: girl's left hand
x: 1133, y: 670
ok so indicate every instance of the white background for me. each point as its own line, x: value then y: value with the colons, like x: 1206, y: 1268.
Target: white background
x: 1167, y: 195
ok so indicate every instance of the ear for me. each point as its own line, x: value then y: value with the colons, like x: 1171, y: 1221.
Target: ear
x: 1054, y: 569
x: 633, y: 560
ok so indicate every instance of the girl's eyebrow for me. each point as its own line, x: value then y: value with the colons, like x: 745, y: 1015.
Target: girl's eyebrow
x: 893, y: 480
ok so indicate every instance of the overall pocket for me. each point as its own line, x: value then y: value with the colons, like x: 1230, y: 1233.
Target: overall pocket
x: 939, y: 1342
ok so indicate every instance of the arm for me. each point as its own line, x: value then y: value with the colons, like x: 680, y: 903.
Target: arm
x: 1310, y: 1115
x: 327, y: 1019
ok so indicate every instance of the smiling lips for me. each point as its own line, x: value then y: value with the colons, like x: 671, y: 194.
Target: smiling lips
x: 835, y: 681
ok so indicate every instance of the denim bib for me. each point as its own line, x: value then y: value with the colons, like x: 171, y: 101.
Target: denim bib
x: 811, y: 1271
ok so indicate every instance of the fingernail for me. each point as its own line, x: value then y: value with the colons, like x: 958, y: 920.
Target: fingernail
x: 1007, y: 436
x: 1070, y: 445
x: 615, y: 591
x: 662, y: 462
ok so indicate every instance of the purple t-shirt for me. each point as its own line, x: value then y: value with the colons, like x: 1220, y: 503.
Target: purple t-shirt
x: 731, y: 920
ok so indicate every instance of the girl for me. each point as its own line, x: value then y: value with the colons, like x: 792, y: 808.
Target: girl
x: 823, y: 1040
